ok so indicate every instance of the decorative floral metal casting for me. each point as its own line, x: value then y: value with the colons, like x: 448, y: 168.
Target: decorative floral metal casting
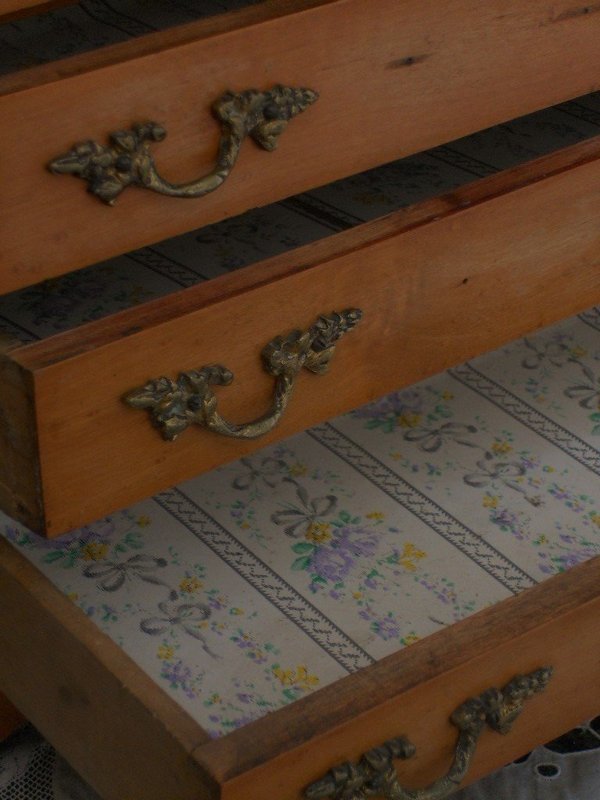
x: 375, y: 774
x: 174, y: 405
x: 127, y: 161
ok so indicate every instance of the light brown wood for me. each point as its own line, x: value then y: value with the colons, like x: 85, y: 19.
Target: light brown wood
x: 116, y: 727
x: 518, y: 251
x: 10, y: 718
x: 431, y: 71
x: 123, y: 734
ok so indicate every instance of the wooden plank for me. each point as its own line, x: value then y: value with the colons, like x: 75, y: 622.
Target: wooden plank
x: 532, y: 252
x: 414, y: 691
x: 431, y: 71
x: 113, y: 723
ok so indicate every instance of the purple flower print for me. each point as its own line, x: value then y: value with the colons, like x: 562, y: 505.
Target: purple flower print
x: 392, y: 405
x: 331, y: 563
x: 356, y: 541
x: 179, y: 677
x: 386, y: 627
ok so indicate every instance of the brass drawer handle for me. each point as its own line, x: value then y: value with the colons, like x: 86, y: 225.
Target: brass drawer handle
x: 375, y: 775
x: 127, y: 161
x: 176, y: 404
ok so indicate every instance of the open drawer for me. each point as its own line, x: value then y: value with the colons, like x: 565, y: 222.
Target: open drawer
x: 246, y: 632
x: 436, y: 283
x: 431, y: 72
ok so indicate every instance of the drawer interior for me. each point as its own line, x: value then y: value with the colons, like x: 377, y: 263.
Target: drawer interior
x: 70, y: 28
x: 150, y: 273
x: 273, y: 581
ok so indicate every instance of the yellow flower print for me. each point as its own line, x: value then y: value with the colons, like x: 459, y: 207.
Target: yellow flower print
x: 408, y: 420
x: 500, y: 448
x: 357, y: 595
x: 578, y: 352
x: 298, y: 470
x: 143, y: 521
x: 73, y: 597
x: 94, y: 551
x: 298, y: 677
x: 410, y: 638
x: 595, y: 519
x: 376, y: 515
x: 245, y: 525
x: 409, y: 556
x: 165, y: 653
x: 447, y: 395
x: 318, y: 532
x: 190, y: 585
x: 490, y: 501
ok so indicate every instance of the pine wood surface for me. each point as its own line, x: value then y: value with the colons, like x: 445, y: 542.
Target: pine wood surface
x: 431, y: 71
x: 439, y: 283
x: 123, y: 734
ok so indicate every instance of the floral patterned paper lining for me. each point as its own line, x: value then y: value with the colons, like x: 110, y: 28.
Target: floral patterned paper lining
x: 248, y: 587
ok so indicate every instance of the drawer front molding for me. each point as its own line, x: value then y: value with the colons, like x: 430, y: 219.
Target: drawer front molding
x: 175, y: 405
x: 375, y: 775
x: 127, y: 161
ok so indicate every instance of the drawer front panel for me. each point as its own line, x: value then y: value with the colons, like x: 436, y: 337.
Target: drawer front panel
x: 429, y: 72
x: 438, y: 283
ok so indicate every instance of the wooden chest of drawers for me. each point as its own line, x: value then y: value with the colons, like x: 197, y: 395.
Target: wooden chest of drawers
x: 392, y: 79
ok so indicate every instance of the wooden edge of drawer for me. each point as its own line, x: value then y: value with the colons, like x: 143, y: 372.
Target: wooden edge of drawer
x: 442, y: 75
x: 414, y: 691
x: 11, y: 10
x: 80, y: 690
x: 525, y: 242
x: 10, y: 718
x: 129, y: 739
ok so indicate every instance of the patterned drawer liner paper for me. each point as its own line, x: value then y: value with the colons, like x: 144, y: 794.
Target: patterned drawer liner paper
x: 246, y: 588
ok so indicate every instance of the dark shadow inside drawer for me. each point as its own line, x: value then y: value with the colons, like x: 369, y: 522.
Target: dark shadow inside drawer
x: 463, y: 267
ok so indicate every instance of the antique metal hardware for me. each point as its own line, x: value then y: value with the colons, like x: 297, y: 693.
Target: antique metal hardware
x: 127, y: 161
x: 174, y: 405
x: 375, y: 775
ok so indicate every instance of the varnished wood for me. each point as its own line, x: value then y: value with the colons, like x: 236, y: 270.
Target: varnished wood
x: 431, y: 71
x: 112, y: 722
x: 519, y: 251
x: 10, y: 718
x: 17, y: 9
x: 123, y: 734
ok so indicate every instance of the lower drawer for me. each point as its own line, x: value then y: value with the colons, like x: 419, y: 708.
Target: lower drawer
x: 436, y: 283
x: 260, y: 616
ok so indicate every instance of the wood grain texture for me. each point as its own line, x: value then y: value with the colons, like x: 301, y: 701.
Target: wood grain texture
x: 516, y: 251
x: 431, y: 70
x: 114, y: 724
x: 414, y: 691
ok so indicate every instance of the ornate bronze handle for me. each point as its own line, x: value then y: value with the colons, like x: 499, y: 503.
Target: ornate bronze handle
x: 174, y: 405
x: 127, y: 161
x: 375, y: 775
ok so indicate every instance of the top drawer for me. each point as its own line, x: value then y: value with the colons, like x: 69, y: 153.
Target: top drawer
x: 392, y: 78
